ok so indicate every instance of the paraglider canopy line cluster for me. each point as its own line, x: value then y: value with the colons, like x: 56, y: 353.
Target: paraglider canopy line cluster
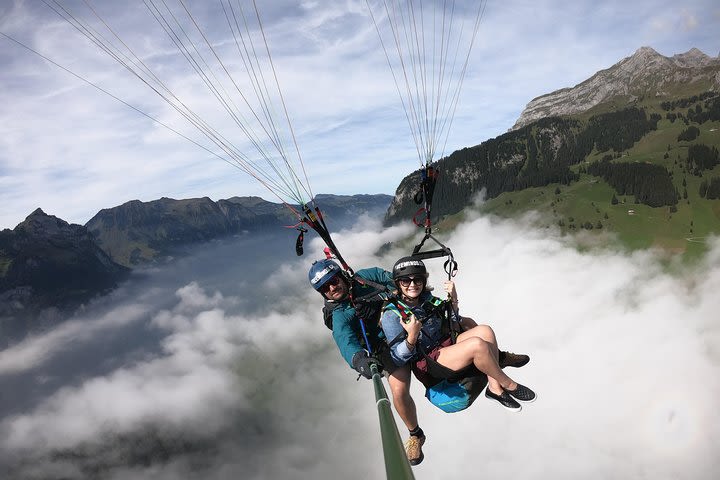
x: 257, y: 107
x: 427, y: 46
x: 423, y: 44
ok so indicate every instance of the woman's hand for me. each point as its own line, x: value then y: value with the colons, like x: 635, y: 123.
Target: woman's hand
x: 412, y: 326
x: 450, y: 289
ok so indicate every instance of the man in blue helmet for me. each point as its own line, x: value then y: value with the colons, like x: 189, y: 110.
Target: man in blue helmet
x: 356, y: 332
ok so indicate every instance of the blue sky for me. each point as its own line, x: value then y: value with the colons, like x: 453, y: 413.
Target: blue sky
x: 71, y: 150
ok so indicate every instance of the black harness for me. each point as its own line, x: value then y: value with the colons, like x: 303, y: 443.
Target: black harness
x: 450, y: 330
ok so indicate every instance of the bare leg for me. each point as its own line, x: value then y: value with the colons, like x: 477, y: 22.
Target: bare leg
x: 399, y: 382
x: 471, y: 349
x: 482, y: 331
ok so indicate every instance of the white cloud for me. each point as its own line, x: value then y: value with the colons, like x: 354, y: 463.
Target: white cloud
x: 38, y: 349
x: 689, y: 21
x: 618, y: 347
x: 625, y: 360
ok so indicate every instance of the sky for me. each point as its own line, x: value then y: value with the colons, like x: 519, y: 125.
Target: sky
x: 72, y: 150
x: 226, y: 367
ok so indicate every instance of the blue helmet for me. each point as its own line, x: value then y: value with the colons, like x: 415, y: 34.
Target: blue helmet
x: 322, y: 271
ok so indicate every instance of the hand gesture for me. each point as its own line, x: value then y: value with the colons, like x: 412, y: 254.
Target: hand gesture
x: 412, y: 326
x: 450, y: 289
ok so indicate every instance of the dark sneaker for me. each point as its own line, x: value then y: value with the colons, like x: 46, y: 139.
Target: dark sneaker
x: 522, y: 394
x: 509, y: 359
x: 504, y: 399
x: 413, y: 449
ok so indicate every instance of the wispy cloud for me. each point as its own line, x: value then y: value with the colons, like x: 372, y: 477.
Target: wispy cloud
x: 71, y: 150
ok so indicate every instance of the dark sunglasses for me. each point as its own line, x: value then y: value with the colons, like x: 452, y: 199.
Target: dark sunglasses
x: 406, y: 281
x: 333, y: 282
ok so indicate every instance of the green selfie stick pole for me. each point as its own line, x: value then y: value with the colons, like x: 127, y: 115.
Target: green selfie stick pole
x: 396, y: 462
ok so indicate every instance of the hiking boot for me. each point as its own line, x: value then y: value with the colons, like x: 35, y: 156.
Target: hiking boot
x: 413, y: 449
x: 504, y: 399
x: 522, y: 394
x: 509, y: 359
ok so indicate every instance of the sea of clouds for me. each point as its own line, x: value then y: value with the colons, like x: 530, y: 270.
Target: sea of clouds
x: 218, y: 366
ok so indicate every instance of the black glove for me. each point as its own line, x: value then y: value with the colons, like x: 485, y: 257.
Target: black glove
x: 369, y: 311
x: 361, y: 362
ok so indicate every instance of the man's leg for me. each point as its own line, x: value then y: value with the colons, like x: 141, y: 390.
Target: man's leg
x: 399, y: 381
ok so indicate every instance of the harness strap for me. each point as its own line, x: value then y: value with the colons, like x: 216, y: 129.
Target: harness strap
x: 450, y: 264
x: 429, y: 176
x: 377, y: 294
x: 435, y: 304
x: 314, y: 219
x: 435, y: 369
x: 300, y: 239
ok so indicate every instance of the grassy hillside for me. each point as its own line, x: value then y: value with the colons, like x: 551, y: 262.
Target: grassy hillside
x: 587, y: 202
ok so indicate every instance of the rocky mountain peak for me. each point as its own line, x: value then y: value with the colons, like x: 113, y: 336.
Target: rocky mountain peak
x: 644, y: 72
x: 694, y: 58
x: 50, y: 262
x: 40, y: 224
x: 644, y: 58
x: 645, y: 52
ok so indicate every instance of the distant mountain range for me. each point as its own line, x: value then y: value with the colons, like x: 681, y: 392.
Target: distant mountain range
x: 649, y: 118
x: 47, y: 263
x: 137, y: 232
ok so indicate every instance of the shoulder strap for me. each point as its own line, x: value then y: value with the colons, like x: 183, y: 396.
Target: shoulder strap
x: 398, y: 311
x: 393, y: 307
x: 328, y: 307
x: 435, y: 301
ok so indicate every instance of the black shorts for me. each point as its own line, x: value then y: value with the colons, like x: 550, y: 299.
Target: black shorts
x: 382, y: 353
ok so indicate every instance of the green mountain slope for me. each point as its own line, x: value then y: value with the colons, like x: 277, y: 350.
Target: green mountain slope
x: 681, y: 228
x: 636, y: 169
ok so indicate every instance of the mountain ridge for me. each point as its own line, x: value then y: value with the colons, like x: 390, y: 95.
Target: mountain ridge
x: 49, y: 267
x: 136, y: 233
x: 646, y: 72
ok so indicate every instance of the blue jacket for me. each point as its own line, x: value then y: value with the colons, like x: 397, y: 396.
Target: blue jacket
x: 430, y: 335
x: 346, y: 326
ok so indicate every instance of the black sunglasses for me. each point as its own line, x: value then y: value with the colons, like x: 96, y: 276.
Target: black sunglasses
x: 333, y: 282
x: 406, y: 281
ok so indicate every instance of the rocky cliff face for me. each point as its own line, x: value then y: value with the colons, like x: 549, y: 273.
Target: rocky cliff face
x: 45, y: 261
x: 644, y: 73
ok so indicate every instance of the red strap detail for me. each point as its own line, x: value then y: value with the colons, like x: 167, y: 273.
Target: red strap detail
x: 415, y: 219
x: 404, y: 313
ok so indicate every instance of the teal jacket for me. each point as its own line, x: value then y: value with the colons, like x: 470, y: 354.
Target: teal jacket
x: 346, y: 325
